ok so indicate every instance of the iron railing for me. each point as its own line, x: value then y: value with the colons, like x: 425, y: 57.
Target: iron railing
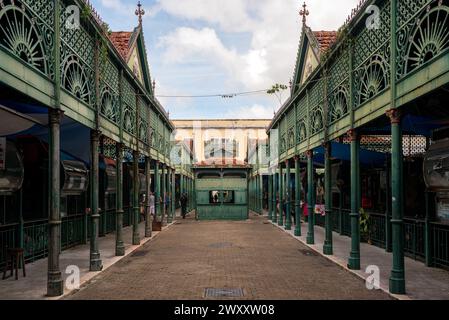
x: 414, y: 237
x: 440, y: 248
x: 35, y: 239
x: 107, y: 222
x: 72, y: 231
x: 8, y: 238
x: 376, y: 231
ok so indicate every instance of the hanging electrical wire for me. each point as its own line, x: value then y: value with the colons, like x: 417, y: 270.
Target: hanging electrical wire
x: 218, y: 95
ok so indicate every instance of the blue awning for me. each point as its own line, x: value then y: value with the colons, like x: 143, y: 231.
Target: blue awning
x: 343, y: 152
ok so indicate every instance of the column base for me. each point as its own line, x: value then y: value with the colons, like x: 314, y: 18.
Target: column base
x: 55, y: 287
x: 280, y: 223
x: 310, y: 239
x: 298, y: 231
x: 288, y: 226
x: 328, y: 250
x: 95, y: 263
x: 354, y: 263
x: 119, y: 249
x: 397, y: 283
x: 136, y: 239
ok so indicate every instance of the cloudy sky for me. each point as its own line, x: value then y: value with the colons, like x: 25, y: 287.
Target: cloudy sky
x: 208, y: 47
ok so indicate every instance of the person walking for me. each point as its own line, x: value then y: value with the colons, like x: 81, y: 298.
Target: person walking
x: 183, y: 201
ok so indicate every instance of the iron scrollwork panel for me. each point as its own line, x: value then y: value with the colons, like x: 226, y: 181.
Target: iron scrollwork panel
x: 424, y: 36
x: 28, y: 35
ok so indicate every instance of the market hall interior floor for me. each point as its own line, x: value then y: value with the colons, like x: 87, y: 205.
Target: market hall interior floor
x: 225, y: 259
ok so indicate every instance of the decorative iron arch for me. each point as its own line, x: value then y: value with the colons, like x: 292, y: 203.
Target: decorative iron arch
x: 75, y: 80
x: 375, y: 78
x: 339, y: 104
x: 21, y: 36
x: 143, y: 132
x: 317, y: 123
x: 302, y: 128
x: 109, y: 107
x: 128, y: 121
x: 429, y: 38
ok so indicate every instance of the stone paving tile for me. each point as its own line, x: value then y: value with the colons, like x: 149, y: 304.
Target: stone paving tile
x: 253, y: 255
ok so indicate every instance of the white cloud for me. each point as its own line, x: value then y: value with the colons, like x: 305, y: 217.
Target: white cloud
x: 274, y: 29
x: 230, y: 15
x: 203, y: 30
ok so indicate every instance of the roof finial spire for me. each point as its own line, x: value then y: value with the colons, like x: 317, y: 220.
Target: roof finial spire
x: 304, y: 13
x: 140, y: 12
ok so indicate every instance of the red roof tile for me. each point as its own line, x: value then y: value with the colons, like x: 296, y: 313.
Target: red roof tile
x: 121, y: 41
x: 325, y: 39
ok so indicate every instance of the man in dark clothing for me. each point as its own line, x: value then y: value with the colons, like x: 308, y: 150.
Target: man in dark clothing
x: 183, y: 201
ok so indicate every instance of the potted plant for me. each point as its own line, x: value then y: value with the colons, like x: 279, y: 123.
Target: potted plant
x: 364, y: 227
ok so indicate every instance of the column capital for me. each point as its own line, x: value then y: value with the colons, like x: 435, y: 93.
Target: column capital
x: 327, y: 145
x: 287, y: 162
x: 119, y: 145
x: 95, y: 134
x: 309, y: 153
x: 55, y: 116
x: 296, y: 158
x: 353, y: 135
x: 394, y: 115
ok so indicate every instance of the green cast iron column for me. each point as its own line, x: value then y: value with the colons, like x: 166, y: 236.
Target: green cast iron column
x: 261, y: 194
x: 275, y: 194
x: 354, y: 256
x: 397, y: 278
x: 288, y: 197
x: 310, y: 198
x: 170, y: 208
x: 328, y: 248
x: 95, y: 261
x: 54, y: 279
x: 297, y: 197
x: 281, y: 197
x: 181, y: 183
x: 119, y: 245
x: 157, y: 191
x: 388, y: 244
x: 136, y: 189
x: 254, y: 193
x: 148, y: 225
x: 250, y: 194
x: 191, y: 194
x: 173, y: 193
x: 270, y: 194
x: 164, y: 180
x: 168, y: 189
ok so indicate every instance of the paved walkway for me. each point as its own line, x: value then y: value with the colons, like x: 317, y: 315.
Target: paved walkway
x: 421, y: 282
x: 34, y: 286
x: 252, y: 256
